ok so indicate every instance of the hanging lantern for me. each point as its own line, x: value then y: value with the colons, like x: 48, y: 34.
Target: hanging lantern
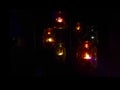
x: 60, y: 52
x: 48, y: 37
x: 59, y: 22
x: 87, y: 54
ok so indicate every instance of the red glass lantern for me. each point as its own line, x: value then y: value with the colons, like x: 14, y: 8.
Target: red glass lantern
x: 87, y: 54
x: 60, y: 22
x: 49, y: 37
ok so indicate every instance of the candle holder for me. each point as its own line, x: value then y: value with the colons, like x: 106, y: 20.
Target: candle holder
x: 49, y: 38
x: 60, y: 52
x: 78, y: 27
x: 87, y: 55
x: 59, y: 21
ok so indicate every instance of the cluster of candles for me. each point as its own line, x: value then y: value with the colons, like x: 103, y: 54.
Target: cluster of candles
x: 87, y: 50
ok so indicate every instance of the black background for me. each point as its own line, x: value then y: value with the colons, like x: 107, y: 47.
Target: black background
x: 33, y: 60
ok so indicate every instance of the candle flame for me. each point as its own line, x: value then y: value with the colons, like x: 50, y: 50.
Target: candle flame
x: 60, y: 52
x: 86, y: 45
x: 87, y: 56
x: 59, y: 19
x: 49, y: 33
x: 78, y: 27
x: 49, y: 40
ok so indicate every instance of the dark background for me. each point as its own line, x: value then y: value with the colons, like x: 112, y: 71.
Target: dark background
x: 33, y: 60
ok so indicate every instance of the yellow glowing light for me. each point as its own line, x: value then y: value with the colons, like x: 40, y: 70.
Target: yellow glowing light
x: 87, y: 56
x: 78, y: 26
x: 49, y: 40
x: 60, y: 53
x: 59, y: 19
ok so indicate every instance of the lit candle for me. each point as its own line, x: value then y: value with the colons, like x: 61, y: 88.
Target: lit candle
x: 60, y: 53
x: 49, y: 40
x: 86, y: 45
x: 59, y: 19
x: 87, y: 56
x: 49, y: 33
x: 78, y: 28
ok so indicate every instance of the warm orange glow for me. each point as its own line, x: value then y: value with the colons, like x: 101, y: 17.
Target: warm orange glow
x: 49, y: 33
x: 78, y: 28
x: 49, y: 40
x: 87, y: 56
x: 60, y: 52
x: 59, y: 19
x: 86, y: 45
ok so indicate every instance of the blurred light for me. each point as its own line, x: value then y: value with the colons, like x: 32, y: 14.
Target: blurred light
x: 86, y: 45
x: 60, y: 53
x: 78, y: 28
x: 60, y: 50
x: 92, y: 37
x: 59, y: 19
x: 48, y: 37
x: 50, y: 40
x: 87, y: 56
x: 49, y: 33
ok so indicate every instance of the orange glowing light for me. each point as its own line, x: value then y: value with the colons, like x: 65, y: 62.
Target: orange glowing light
x: 60, y: 50
x: 78, y: 28
x: 87, y: 56
x: 49, y: 40
x: 86, y: 45
x: 49, y: 33
x: 59, y: 19
x: 60, y: 53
